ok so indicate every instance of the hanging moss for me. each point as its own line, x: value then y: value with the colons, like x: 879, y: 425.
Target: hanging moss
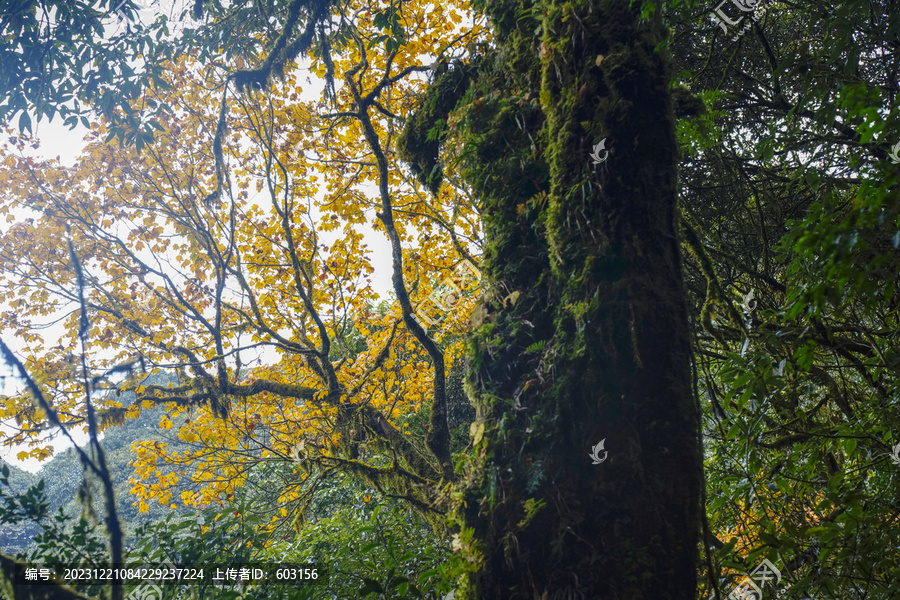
x: 419, y: 142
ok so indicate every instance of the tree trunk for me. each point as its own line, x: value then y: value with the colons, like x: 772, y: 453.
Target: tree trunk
x: 584, y: 334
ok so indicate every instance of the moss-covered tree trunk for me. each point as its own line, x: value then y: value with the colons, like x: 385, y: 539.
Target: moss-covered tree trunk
x: 584, y: 334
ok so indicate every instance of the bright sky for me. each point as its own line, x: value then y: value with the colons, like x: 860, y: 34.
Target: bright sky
x: 58, y: 141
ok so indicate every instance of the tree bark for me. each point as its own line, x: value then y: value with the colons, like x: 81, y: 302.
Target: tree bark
x: 585, y: 334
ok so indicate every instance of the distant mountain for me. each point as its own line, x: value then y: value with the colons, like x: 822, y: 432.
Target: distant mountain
x: 16, y: 535
x: 62, y: 475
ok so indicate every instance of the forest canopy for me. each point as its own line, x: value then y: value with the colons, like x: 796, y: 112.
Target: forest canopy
x: 669, y: 228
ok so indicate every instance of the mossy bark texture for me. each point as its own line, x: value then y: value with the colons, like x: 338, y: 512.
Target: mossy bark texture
x: 583, y: 335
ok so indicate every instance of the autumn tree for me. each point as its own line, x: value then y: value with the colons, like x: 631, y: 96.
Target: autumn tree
x: 788, y: 223
x: 184, y: 268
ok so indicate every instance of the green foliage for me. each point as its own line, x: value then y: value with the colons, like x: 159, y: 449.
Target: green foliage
x: 372, y: 549
x: 389, y: 21
x: 793, y: 196
x: 219, y: 537
x: 15, y: 534
x: 41, y: 54
x: 61, y: 539
x: 15, y: 506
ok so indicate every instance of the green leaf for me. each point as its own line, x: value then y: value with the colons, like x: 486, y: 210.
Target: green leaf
x: 812, y: 177
x: 426, y: 575
x: 25, y: 122
x: 835, y: 480
x: 371, y: 586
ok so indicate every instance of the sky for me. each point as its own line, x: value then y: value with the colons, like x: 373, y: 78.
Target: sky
x: 58, y: 141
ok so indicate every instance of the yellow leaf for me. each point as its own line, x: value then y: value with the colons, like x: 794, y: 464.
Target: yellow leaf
x: 476, y: 430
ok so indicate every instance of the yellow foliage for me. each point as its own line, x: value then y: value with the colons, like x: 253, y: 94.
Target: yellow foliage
x: 276, y: 273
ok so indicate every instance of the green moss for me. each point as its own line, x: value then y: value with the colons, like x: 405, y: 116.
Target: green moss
x: 570, y: 352
x: 419, y: 142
